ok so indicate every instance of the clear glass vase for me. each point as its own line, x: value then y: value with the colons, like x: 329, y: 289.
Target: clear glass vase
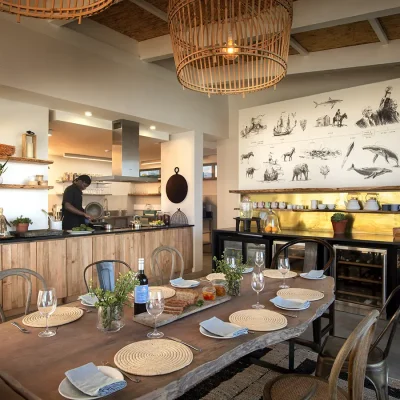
x: 110, y: 319
x: 234, y: 288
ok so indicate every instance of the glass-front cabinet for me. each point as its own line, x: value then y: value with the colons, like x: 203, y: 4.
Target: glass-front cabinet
x: 251, y: 250
x: 296, y: 254
x: 233, y: 249
x: 360, y: 278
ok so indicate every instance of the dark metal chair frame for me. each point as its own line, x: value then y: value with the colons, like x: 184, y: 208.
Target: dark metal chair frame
x: 24, y: 273
x: 103, y: 261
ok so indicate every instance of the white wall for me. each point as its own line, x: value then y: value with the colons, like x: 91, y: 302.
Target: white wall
x: 185, y: 151
x: 15, y: 119
x: 293, y: 86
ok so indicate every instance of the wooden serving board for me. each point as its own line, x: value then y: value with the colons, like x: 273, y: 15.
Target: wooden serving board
x: 165, y: 319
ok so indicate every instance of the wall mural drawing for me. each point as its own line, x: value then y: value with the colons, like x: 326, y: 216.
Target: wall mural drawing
x: 344, y: 138
x: 255, y: 127
x: 383, y: 152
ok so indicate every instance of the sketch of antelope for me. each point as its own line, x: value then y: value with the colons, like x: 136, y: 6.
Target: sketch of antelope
x: 246, y: 157
x: 250, y: 172
x: 289, y: 154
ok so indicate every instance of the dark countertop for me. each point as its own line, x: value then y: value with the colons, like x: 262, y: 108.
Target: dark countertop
x: 288, y: 233
x: 66, y: 235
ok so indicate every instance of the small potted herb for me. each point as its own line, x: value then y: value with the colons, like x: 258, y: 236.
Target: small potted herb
x: 110, y: 305
x: 3, y: 169
x: 339, y: 223
x: 233, y: 275
x: 21, y: 224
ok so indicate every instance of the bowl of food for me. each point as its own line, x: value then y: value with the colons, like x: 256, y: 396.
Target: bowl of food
x: 157, y: 223
x: 81, y: 230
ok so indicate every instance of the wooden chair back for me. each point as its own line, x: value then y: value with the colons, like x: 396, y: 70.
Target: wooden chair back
x: 26, y: 274
x: 157, y: 270
x: 355, y: 349
x: 311, y: 252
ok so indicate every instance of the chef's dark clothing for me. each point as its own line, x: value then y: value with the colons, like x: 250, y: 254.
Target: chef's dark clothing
x: 72, y: 195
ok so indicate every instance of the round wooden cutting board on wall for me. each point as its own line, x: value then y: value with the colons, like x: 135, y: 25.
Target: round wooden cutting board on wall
x: 177, y: 187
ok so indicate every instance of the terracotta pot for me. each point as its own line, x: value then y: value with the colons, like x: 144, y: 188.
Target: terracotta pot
x: 22, y: 228
x: 339, y: 228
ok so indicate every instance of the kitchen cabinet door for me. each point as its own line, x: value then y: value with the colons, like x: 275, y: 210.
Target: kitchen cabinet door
x: 103, y: 249
x: 51, y: 256
x: 18, y: 255
x: 129, y: 247
x: 79, y: 256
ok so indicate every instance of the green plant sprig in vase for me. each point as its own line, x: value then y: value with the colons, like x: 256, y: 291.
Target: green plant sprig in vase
x: 233, y: 275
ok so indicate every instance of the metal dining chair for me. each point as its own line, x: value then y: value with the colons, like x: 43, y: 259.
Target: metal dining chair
x: 311, y: 263
x: 11, y: 389
x: 377, y: 367
x: 105, y: 273
x: 157, y: 271
x: 26, y: 274
x: 302, y: 387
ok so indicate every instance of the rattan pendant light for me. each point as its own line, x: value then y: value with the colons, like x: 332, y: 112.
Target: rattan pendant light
x: 230, y: 46
x: 54, y: 9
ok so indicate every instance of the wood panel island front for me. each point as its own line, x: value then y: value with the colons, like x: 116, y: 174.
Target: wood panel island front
x: 62, y: 260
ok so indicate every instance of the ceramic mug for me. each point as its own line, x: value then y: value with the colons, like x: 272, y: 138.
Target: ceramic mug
x: 254, y: 204
x: 301, y: 207
x: 289, y: 207
x: 314, y: 204
x: 394, y: 207
x: 261, y: 204
x: 267, y: 204
x: 274, y: 204
x: 282, y: 205
x: 386, y: 207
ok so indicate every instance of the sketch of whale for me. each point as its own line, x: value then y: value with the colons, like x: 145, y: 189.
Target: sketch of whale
x: 382, y: 151
x: 330, y: 102
x: 371, y: 172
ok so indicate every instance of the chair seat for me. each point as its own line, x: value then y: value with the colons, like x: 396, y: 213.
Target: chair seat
x: 297, y: 387
x: 333, y: 344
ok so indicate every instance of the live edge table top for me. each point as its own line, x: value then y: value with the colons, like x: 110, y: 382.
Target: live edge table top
x: 40, y: 363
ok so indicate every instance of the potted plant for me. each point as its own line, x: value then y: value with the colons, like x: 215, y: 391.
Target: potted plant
x: 2, y: 170
x: 21, y: 224
x: 110, y: 305
x: 339, y: 223
x: 233, y: 275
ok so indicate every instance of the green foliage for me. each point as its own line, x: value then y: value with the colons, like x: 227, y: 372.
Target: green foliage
x: 3, y: 168
x: 337, y: 217
x: 22, y: 220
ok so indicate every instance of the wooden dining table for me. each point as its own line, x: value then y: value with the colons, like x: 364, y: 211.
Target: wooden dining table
x: 39, y: 364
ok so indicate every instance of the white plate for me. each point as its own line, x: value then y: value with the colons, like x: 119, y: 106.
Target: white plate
x: 80, y: 232
x: 186, y: 287
x: 215, y: 275
x: 307, y: 305
x: 69, y: 391
x: 87, y: 304
x: 211, y: 335
x: 248, y: 270
x: 304, y: 275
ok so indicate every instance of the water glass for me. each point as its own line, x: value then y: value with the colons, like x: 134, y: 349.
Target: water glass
x: 260, y: 263
x: 257, y: 284
x: 284, y: 268
x: 47, y: 304
x: 155, y: 306
x: 231, y: 261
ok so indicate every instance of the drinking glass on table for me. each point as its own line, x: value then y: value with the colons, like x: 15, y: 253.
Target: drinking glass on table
x: 259, y: 262
x: 257, y: 284
x: 231, y: 261
x: 155, y: 307
x: 284, y: 268
x: 47, y: 304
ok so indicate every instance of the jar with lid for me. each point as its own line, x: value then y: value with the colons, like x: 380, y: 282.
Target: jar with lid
x: 246, y: 208
x: 209, y: 293
x: 271, y: 223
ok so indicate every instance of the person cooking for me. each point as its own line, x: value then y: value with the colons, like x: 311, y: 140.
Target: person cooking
x: 72, y: 211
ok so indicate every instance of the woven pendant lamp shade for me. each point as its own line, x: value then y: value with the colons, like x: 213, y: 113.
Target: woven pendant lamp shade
x: 54, y: 9
x: 230, y: 46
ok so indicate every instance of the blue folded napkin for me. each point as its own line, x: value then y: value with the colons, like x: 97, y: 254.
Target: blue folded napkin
x: 221, y: 328
x: 88, y: 298
x: 89, y: 380
x: 289, y: 303
x: 180, y: 282
x: 315, y: 274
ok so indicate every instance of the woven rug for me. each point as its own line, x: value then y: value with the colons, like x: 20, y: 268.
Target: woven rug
x: 243, y: 380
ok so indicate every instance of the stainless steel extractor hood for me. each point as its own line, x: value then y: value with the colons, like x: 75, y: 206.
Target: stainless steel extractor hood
x: 125, y: 154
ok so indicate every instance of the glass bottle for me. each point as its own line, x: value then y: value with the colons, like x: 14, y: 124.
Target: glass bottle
x: 3, y: 224
x: 272, y: 222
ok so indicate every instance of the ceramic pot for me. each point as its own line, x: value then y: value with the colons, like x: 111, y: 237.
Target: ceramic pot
x: 21, y: 228
x: 339, y: 227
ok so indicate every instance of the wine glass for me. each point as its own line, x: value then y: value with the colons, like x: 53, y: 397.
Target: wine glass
x: 231, y: 261
x: 155, y: 307
x: 284, y: 268
x: 257, y: 284
x: 259, y: 262
x: 47, y: 304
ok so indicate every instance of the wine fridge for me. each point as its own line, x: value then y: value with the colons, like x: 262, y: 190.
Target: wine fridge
x: 296, y: 254
x: 360, y: 275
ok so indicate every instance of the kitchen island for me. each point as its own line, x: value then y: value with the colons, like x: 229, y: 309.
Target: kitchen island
x: 61, y: 260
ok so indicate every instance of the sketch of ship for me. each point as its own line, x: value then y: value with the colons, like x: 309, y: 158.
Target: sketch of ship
x: 284, y: 126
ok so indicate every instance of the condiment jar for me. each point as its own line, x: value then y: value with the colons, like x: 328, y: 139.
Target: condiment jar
x: 209, y: 293
x: 219, y: 286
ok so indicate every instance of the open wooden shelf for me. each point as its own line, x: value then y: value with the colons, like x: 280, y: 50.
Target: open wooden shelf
x: 26, y: 160
x: 33, y: 187
x: 327, y: 211
x: 88, y: 194
x: 360, y: 264
x: 144, y: 194
x: 349, y: 278
x: 321, y: 190
x: 93, y: 182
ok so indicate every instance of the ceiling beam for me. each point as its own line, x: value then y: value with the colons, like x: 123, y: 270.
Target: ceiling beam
x: 151, y: 9
x: 298, y: 47
x: 377, y: 27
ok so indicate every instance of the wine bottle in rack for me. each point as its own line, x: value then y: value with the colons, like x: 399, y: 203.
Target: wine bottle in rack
x: 141, y: 291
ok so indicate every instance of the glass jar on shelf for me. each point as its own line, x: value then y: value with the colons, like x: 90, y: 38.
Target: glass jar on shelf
x: 246, y: 208
x: 271, y: 222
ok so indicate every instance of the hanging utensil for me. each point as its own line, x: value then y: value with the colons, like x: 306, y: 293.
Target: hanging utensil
x: 177, y: 187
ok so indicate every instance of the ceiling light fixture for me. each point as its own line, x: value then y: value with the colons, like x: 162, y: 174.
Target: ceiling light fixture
x: 150, y: 162
x: 230, y: 47
x: 85, y: 157
x: 153, y: 127
x: 87, y: 113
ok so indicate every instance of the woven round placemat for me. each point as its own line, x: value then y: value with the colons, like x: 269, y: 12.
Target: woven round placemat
x: 258, y: 320
x: 276, y: 274
x: 62, y: 316
x: 301, y: 294
x: 153, y: 357
x: 168, y: 292
x: 215, y: 275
